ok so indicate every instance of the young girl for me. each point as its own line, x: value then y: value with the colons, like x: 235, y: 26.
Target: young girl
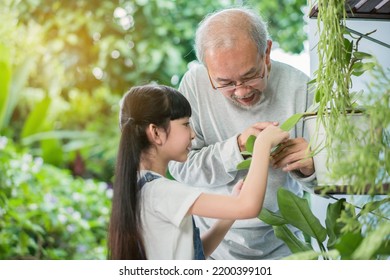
x: 152, y: 215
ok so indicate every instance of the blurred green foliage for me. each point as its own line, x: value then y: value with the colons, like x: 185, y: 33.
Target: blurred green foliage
x: 47, y: 214
x: 286, y: 20
x: 68, y: 63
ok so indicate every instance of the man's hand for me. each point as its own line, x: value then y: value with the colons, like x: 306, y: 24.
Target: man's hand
x: 254, y: 129
x: 293, y: 155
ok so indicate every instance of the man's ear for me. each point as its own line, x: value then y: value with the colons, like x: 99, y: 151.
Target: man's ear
x: 268, y: 52
x: 154, y: 134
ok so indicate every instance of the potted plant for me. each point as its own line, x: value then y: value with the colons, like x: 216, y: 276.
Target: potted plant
x: 338, y: 61
x: 350, y: 231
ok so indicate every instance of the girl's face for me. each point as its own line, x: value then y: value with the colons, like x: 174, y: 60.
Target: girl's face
x: 178, y: 143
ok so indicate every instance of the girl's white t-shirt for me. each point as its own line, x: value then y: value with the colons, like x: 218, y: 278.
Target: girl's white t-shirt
x: 166, y: 226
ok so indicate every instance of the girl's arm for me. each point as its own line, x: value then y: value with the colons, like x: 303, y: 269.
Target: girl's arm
x: 250, y: 200
x: 215, y: 234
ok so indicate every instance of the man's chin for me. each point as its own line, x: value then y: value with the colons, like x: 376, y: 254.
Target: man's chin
x: 247, y: 103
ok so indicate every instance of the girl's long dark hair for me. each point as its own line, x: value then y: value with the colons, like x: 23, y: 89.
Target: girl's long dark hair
x: 141, y: 106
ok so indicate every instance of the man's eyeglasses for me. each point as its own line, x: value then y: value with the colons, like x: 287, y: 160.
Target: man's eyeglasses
x: 252, y: 82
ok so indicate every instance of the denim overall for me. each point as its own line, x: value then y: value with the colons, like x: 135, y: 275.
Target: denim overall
x: 198, y: 248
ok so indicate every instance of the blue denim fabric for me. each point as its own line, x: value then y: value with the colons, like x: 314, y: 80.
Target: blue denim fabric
x: 148, y: 177
x: 198, y: 247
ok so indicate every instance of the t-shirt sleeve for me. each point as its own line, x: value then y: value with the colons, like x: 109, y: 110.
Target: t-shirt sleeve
x: 170, y: 200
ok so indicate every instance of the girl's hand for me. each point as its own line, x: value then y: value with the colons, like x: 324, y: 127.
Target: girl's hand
x: 272, y: 135
x: 254, y: 129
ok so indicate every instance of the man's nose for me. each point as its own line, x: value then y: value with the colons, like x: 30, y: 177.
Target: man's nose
x: 241, y: 90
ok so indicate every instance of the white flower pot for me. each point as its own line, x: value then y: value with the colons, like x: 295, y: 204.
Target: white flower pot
x: 317, y: 139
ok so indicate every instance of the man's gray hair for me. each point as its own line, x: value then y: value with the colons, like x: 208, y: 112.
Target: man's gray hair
x: 222, y: 29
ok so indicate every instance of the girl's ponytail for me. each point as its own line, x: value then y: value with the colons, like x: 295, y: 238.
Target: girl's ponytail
x: 125, y: 237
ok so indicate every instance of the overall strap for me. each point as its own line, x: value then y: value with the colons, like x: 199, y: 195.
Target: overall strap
x: 148, y: 177
x: 198, y: 246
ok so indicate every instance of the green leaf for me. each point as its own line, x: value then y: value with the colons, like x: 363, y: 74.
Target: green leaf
x: 36, y: 118
x: 20, y: 76
x: 250, y: 142
x: 275, y: 149
x: 384, y: 250
x: 362, y: 67
x: 52, y: 151
x: 332, y: 226
x: 246, y: 153
x: 372, y: 206
x: 347, y: 244
x: 294, y: 244
x: 291, y: 122
x: 348, y: 45
x: 373, y: 242
x: 362, y: 55
x: 307, y: 255
x: 318, y: 96
x: 245, y: 164
x: 297, y: 212
x: 271, y: 218
x: 357, y: 73
x: 368, y: 66
x: 5, y: 79
x: 313, y: 255
x: 358, y: 66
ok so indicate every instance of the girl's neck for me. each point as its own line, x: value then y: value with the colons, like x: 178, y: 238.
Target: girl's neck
x: 155, y: 166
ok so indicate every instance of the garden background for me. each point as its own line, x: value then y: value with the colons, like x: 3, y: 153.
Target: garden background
x: 64, y: 66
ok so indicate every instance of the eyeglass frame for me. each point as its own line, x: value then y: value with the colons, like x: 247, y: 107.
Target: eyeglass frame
x: 234, y: 85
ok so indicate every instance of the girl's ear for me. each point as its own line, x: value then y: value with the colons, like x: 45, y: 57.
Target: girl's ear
x: 154, y: 134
